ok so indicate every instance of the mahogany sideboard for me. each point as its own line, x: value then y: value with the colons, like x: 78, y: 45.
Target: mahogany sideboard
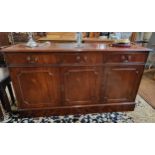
x: 60, y: 78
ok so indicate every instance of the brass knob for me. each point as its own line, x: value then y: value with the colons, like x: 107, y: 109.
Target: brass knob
x: 78, y: 58
x: 129, y: 57
x: 124, y: 58
x: 31, y: 59
x: 28, y: 58
x: 85, y: 58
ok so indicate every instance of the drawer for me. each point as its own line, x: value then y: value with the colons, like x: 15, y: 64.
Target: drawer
x: 54, y: 58
x: 31, y: 58
x: 82, y: 58
x: 127, y: 58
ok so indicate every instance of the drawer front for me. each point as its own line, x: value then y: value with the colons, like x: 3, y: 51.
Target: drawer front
x: 83, y: 58
x: 54, y: 58
x: 31, y: 59
x: 127, y: 58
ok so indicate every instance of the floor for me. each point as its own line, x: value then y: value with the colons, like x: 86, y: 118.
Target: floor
x: 143, y: 113
x: 147, y: 87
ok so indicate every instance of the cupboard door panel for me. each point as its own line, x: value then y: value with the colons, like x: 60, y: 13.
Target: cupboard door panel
x: 81, y: 85
x: 121, y: 83
x: 36, y: 87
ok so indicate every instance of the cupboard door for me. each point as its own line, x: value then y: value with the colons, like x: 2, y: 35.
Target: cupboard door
x: 81, y: 85
x: 36, y: 87
x: 122, y: 83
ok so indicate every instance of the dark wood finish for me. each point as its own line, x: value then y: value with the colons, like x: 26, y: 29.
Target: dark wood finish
x: 72, y: 47
x: 32, y: 59
x: 87, y: 78
x: 61, y: 79
x: 82, y: 58
x: 68, y: 110
x: 126, y: 57
x: 1, y: 114
x: 36, y: 87
x: 47, y: 59
x: 5, y: 82
x: 4, y: 40
x: 122, y: 83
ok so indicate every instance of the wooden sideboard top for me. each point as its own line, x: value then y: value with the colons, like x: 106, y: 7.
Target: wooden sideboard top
x: 66, y: 47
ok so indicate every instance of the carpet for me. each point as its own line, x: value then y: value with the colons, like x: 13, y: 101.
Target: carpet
x: 143, y: 112
x: 115, y: 117
x: 147, y: 87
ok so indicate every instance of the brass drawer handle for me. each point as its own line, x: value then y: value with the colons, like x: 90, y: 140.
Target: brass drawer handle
x: 123, y: 57
x: 129, y: 57
x: 32, y: 60
x: 85, y: 58
x: 78, y: 58
x: 126, y: 58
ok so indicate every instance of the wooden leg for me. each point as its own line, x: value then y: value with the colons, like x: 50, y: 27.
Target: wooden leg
x: 11, y: 93
x: 4, y: 99
x: 1, y: 114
